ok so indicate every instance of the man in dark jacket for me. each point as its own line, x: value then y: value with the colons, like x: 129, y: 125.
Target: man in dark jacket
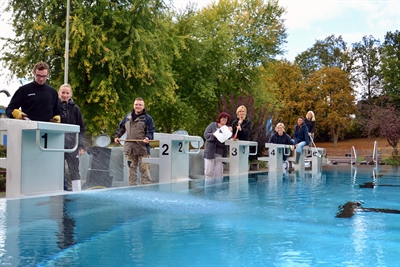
x: 139, y: 126
x: 71, y: 114
x: 37, y: 100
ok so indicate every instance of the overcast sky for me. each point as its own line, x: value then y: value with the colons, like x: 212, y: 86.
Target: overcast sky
x: 311, y: 20
x: 306, y: 22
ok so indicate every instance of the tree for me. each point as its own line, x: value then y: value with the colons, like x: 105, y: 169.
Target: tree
x: 118, y: 51
x: 334, y: 100
x: 367, y: 68
x: 391, y: 66
x: 285, y: 81
x: 258, y: 115
x: 224, y: 48
x: 181, y: 64
x: 382, y: 120
x: 331, y: 52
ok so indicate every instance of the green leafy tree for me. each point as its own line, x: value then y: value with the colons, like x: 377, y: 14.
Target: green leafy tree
x: 225, y: 46
x: 367, y: 69
x: 330, y: 52
x: 391, y: 66
x: 334, y: 100
x: 118, y: 51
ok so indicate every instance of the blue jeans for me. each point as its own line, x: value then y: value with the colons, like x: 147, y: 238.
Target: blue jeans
x: 299, y: 147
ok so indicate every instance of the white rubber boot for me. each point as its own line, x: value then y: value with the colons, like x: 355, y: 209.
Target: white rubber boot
x: 76, y: 185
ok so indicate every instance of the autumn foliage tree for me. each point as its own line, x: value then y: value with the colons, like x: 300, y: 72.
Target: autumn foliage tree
x: 334, y: 100
x: 285, y: 80
x: 383, y: 120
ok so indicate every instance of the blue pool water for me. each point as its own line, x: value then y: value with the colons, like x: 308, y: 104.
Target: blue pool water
x: 248, y: 220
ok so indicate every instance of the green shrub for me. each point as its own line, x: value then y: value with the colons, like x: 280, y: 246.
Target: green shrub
x: 393, y: 160
x: 3, y: 151
x: 2, y: 183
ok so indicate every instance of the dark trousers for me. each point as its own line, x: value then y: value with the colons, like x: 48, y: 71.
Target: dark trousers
x: 73, y: 166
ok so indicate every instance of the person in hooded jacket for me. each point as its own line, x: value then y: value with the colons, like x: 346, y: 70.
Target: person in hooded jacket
x: 138, y: 125
x: 70, y: 113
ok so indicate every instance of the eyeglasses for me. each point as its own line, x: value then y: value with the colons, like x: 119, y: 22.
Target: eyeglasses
x: 139, y: 105
x: 41, y: 76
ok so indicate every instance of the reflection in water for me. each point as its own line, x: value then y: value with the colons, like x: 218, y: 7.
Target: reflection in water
x: 253, y: 220
x: 65, y: 235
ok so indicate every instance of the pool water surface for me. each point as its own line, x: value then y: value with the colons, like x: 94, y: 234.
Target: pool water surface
x: 247, y: 220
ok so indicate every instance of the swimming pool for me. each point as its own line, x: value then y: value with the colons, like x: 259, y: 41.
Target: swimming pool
x: 247, y: 220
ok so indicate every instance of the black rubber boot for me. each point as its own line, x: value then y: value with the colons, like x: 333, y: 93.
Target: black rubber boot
x: 297, y: 158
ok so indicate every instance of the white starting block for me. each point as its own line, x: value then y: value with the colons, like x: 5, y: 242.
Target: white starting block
x: 316, y: 154
x: 35, y: 156
x: 275, y: 156
x: 238, y: 155
x: 173, y: 159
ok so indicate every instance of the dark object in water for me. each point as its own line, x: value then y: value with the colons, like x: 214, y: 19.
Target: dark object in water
x: 349, y: 209
x: 372, y: 185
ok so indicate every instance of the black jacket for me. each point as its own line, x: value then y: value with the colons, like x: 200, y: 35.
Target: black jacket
x: 39, y: 102
x: 244, y: 134
x: 71, y: 114
x: 310, y: 125
x: 285, y: 139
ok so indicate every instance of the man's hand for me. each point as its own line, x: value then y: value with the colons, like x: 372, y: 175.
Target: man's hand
x: 116, y: 140
x: 146, y: 140
x: 18, y: 114
x: 56, y: 119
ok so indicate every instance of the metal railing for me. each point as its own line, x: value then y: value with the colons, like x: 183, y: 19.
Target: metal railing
x: 354, y: 156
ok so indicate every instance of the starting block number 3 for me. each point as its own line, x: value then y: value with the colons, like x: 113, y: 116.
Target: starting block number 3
x: 235, y: 152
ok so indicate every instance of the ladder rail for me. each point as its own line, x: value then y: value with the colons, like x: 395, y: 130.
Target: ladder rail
x: 354, y: 153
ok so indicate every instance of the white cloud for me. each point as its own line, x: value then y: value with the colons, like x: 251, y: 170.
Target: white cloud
x: 303, y: 14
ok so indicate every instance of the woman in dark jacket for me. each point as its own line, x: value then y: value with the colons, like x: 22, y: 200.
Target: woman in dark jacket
x: 301, y: 138
x: 310, y: 122
x: 242, y: 126
x: 281, y: 137
x: 71, y: 114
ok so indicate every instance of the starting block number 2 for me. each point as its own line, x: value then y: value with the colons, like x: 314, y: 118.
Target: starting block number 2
x: 166, y: 148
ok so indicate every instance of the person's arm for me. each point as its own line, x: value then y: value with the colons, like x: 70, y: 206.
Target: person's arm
x: 120, y: 130
x: 209, y: 132
x: 15, y: 103
x: 272, y: 139
x: 306, y: 138
x: 246, y: 129
x: 313, y: 127
x: 234, y: 125
x: 294, y: 135
x: 150, y: 128
x: 56, y: 105
x: 79, y: 121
